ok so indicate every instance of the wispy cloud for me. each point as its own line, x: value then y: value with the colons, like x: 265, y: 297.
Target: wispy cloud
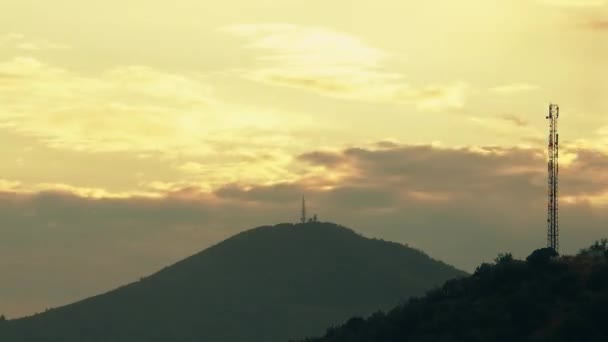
x: 575, y: 3
x: 509, y: 125
x: 132, y: 108
x: 19, y: 41
x: 22, y: 188
x: 314, y: 58
x: 313, y: 49
x: 9, y: 38
x: 598, y: 25
x: 516, y: 120
x: 514, y: 88
x: 146, y: 112
x: 335, y: 64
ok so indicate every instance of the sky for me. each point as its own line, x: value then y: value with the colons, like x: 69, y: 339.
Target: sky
x: 134, y: 134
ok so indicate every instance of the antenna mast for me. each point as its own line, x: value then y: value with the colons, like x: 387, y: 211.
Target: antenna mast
x: 303, y: 218
x: 553, y: 168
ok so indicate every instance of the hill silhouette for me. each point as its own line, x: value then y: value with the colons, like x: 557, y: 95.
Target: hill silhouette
x: 272, y: 283
x: 545, y: 298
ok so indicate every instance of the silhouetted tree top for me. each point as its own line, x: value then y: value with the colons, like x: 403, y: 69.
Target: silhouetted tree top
x: 504, y: 258
x: 598, y: 249
x: 542, y: 256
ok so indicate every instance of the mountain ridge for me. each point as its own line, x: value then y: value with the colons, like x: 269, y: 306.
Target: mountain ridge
x: 277, y: 282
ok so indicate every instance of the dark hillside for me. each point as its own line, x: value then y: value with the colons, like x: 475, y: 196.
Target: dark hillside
x: 271, y: 283
x: 544, y: 298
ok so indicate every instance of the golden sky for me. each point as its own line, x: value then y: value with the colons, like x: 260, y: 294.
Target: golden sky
x: 189, y: 92
x: 198, y: 109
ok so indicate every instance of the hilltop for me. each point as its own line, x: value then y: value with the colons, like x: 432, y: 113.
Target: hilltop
x: 271, y: 283
x: 545, y: 298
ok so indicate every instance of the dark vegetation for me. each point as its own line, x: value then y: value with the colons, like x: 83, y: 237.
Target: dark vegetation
x: 267, y: 284
x: 545, y: 298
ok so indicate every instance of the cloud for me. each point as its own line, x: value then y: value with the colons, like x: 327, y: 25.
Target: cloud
x: 17, y: 187
x: 21, y: 42
x: 326, y: 159
x: 132, y: 108
x: 422, y: 168
x: 335, y: 64
x: 510, y: 126
x: 516, y: 120
x: 574, y: 3
x: 514, y: 88
x: 311, y: 48
x: 147, y: 112
x: 9, y: 38
x: 436, y: 98
x: 314, y: 58
x: 441, y: 200
x: 598, y: 25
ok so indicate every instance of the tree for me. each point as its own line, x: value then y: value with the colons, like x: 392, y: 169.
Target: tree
x: 503, y: 258
x: 599, y: 248
x: 2, y: 318
x: 542, y: 256
x: 482, y: 269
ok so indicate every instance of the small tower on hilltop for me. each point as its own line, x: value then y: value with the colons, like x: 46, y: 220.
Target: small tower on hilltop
x: 303, y: 218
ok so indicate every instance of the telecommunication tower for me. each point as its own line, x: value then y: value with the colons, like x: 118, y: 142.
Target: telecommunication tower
x: 303, y: 218
x: 553, y: 168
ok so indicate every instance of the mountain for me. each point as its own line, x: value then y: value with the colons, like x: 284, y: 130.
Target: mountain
x: 542, y: 299
x: 272, y: 283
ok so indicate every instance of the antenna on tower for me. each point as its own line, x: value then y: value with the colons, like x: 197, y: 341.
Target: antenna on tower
x: 303, y: 218
x: 553, y: 168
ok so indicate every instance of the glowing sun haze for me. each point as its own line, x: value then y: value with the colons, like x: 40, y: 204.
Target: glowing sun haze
x: 135, y: 133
